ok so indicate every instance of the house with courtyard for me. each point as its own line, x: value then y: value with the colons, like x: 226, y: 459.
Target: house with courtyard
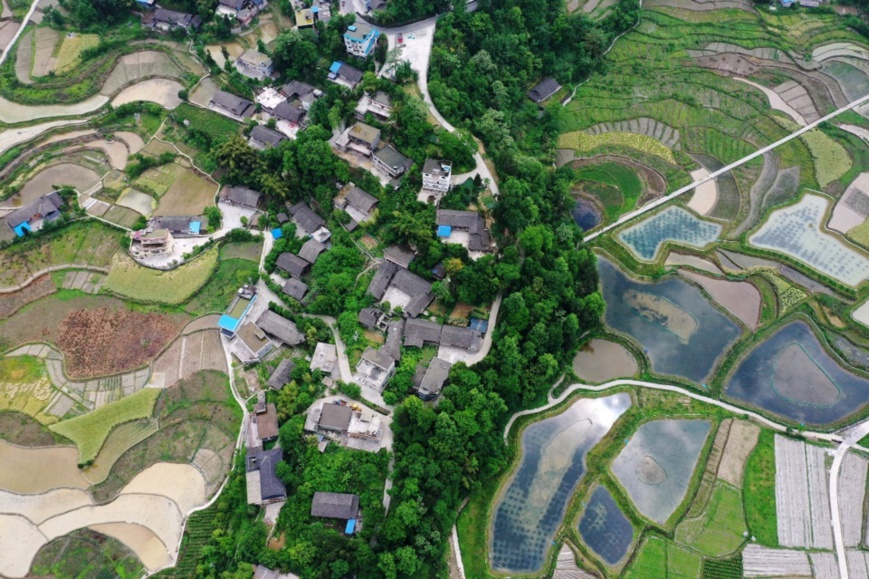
x: 419, y: 333
x: 250, y: 344
x: 467, y: 228
x: 344, y: 74
x: 163, y: 20
x: 360, y: 138
x: 308, y: 222
x: 263, y: 484
x: 242, y: 196
x: 357, y: 203
x: 295, y: 288
x: 242, y: 11
x: 292, y: 264
x: 390, y: 162
x: 34, y: 215
x: 401, y: 288
x: 262, y: 138
x: 432, y: 379
x: 281, y: 375
x: 149, y: 241
x: 232, y: 106
x: 311, y: 250
x: 237, y: 311
x: 360, y: 39
x: 331, y: 418
x: 341, y: 506
x: 543, y: 90
x: 178, y: 225
x: 436, y: 176
x: 254, y: 64
x: 379, y: 104
x: 374, y: 369
x: 373, y: 319
x: 280, y: 328
x: 325, y: 357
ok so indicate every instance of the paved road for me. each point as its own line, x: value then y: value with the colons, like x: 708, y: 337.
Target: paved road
x: 19, y: 31
x: 487, y: 339
x: 851, y: 436
x: 657, y: 203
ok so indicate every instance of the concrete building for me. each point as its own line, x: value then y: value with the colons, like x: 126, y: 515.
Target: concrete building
x: 390, y: 162
x: 436, y: 176
x: 379, y: 104
x: 254, y: 63
x: 325, y: 357
x: 374, y: 369
x: 360, y: 39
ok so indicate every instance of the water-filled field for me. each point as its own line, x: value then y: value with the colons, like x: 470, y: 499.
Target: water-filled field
x: 792, y: 375
x: 796, y: 232
x: 586, y: 214
x: 682, y: 333
x: 656, y: 465
x: 605, y: 528
x: 531, y: 507
x: 672, y: 225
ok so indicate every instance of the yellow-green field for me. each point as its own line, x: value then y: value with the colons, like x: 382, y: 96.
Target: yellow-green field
x: 89, y: 432
x: 583, y: 142
x: 25, y: 387
x: 129, y: 279
x: 69, y: 55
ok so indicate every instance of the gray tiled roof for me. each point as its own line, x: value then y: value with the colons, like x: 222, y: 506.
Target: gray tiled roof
x: 296, y: 89
x: 392, y: 158
x: 417, y: 288
x: 361, y: 200
x: 417, y: 333
x: 434, y: 378
x: 544, y: 89
x: 280, y: 327
x: 306, y: 217
x: 394, y: 334
x: 174, y: 223
x: 434, y: 167
x: 378, y: 358
x: 292, y: 264
x: 47, y: 206
x: 174, y: 18
x: 464, y: 338
x: 235, y: 104
x: 335, y: 505
x: 467, y: 220
x: 287, y: 112
x: 311, y: 250
x: 381, y: 279
x: 281, y: 375
x: 266, y: 136
x: 368, y: 317
x: 399, y: 255
x: 295, y: 288
x: 244, y: 196
x: 335, y: 417
x: 349, y: 73
x: 266, y: 462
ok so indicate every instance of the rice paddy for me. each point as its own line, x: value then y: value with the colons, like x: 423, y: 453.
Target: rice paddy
x: 583, y: 142
x: 673, y: 225
x: 131, y: 280
x: 604, y: 527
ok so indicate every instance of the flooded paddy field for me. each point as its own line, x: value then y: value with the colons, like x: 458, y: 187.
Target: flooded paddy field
x: 605, y: 528
x: 791, y: 374
x: 656, y: 465
x: 672, y: 225
x: 603, y: 360
x: 682, y: 333
x: 532, y: 504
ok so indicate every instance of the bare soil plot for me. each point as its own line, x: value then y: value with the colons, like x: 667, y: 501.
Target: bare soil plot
x: 11, y: 137
x: 680, y: 259
x: 40, y: 507
x: 116, y: 151
x: 760, y: 561
x: 189, y: 194
x: 182, y: 483
x: 139, y: 65
x: 44, y: 61
x: 37, y: 470
x: 162, y: 91
x: 858, y: 563
x: 76, y: 176
x: 802, y: 495
x: 852, y: 208
x: 142, y: 541
x: 20, y: 540
x: 158, y: 180
x: 603, y: 360
x: 82, y: 280
x: 11, y: 112
x: 23, y: 430
x: 776, y: 102
x: 38, y: 289
x: 188, y: 355
x: 705, y: 196
x: 824, y: 565
x: 208, y: 322
x: 852, y: 493
x: 203, y: 92
x: 122, y: 216
x: 23, y: 52
x: 741, y: 441
x: 137, y: 201
x: 740, y: 298
x: 134, y: 142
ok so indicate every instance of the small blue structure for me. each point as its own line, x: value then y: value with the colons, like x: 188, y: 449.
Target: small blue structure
x: 336, y: 66
x: 444, y: 230
x: 315, y: 9
x: 277, y: 233
x: 230, y: 323
x: 351, y: 527
x: 22, y: 229
x: 195, y: 227
x: 479, y: 325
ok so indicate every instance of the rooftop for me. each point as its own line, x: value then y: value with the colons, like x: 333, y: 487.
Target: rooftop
x: 265, y: 462
x: 244, y: 196
x: 401, y: 256
x: 335, y: 417
x: 435, y: 376
x: 543, y: 90
x: 267, y: 423
x: 281, y: 375
x: 335, y: 505
x: 306, y: 218
x: 392, y: 158
x: 280, y: 327
x: 255, y: 58
x: 311, y: 250
x: 234, y: 104
x: 295, y: 288
x: 292, y: 264
x: 436, y: 168
x: 365, y: 133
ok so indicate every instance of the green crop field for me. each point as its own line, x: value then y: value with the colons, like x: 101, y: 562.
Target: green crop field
x: 723, y: 568
x: 129, y: 279
x: 650, y: 560
x: 759, y: 491
x: 212, y: 124
x: 719, y: 530
x: 90, y: 431
x: 217, y: 294
x: 617, y: 187
x: 682, y: 563
x: 586, y: 142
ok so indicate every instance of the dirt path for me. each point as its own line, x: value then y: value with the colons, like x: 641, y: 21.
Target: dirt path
x: 776, y: 102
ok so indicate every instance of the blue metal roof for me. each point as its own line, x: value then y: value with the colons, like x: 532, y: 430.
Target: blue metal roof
x: 336, y: 66
x: 22, y: 228
x: 277, y: 233
x: 228, y: 323
x: 479, y: 325
x: 195, y: 227
x: 444, y: 230
x: 351, y: 527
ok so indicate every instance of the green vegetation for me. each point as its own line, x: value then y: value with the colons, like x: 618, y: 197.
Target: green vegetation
x: 129, y: 279
x: 612, y: 175
x: 586, y: 143
x: 759, y: 491
x: 682, y: 563
x: 723, y: 568
x: 213, y: 126
x: 25, y: 387
x: 719, y: 530
x: 21, y: 369
x: 90, y: 431
x: 23, y: 430
x: 650, y: 560
x: 217, y: 293
x: 86, y: 553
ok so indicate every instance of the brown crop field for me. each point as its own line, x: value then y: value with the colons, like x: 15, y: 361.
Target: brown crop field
x: 189, y: 194
x: 187, y: 355
x: 108, y: 341
x: 12, y: 302
x: 740, y: 442
x: 23, y: 430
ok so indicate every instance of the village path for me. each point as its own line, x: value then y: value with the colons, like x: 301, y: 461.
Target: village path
x: 666, y: 199
x: 24, y: 22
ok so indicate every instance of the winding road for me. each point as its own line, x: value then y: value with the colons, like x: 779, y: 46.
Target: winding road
x: 18, y: 32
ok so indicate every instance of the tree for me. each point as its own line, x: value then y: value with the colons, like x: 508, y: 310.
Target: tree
x: 295, y: 53
x: 241, y: 161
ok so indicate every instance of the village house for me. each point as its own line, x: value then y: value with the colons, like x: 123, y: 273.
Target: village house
x: 32, y: 216
x: 302, y: 92
x: 295, y: 288
x: 262, y: 138
x: 332, y: 418
x: 436, y: 176
x: 391, y: 162
x: 151, y: 242
x: 162, y: 20
x: 379, y: 105
x: 344, y: 74
x: 254, y: 64
x: 360, y: 39
x: 543, y: 90
x: 241, y: 196
x: 373, y: 319
x: 432, y: 379
x: 308, y: 222
x: 291, y: 113
x: 341, y: 506
x: 292, y: 264
x: 304, y: 18
x: 375, y: 5
x: 419, y: 333
x: 263, y: 425
x: 464, y: 227
x: 350, y: 425
x: 311, y: 250
x: 394, y: 334
x: 261, y: 572
x: 360, y: 138
x: 325, y: 357
x: 400, y: 256
x: 243, y: 11
x: 250, y: 344
x: 263, y: 484
x: 178, y: 225
x: 401, y: 288
x: 358, y: 204
x: 281, y: 374
x: 374, y: 369
x: 280, y: 328
x: 232, y: 106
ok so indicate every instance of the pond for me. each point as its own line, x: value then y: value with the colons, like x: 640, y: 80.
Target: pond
x: 672, y: 225
x: 796, y: 231
x: 586, y: 214
x: 656, y: 465
x: 605, y: 528
x: 531, y: 507
x: 791, y: 374
x: 680, y: 330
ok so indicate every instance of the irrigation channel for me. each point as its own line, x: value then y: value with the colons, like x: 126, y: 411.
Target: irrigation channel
x: 667, y: 198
